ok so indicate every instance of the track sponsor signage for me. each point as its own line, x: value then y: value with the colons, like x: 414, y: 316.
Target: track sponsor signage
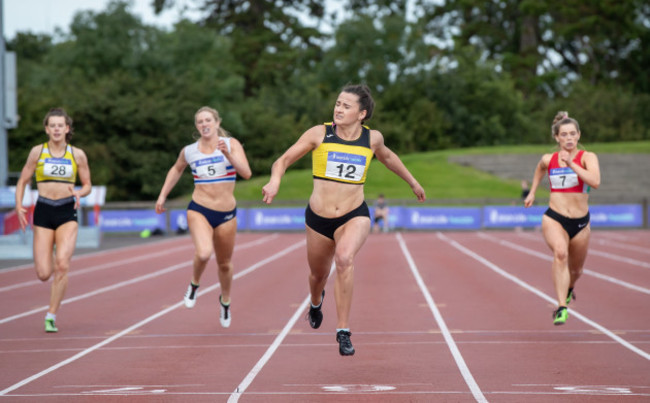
x: 439, y: 218
x: 260, y: 219
x: 512, y: 216
x: 619, y: 215
x: 129, y: 220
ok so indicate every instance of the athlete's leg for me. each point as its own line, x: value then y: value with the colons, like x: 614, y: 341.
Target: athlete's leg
x: 578, y: 247
x: 43, y: 252
x: 66, y: 240
x: 558, y: 240
x: 320, y: 252
x: 349, y: 239
x: 201, y: 232
x: 224, y: 244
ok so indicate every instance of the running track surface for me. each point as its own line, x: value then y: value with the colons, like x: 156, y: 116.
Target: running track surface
x: 436, y: 317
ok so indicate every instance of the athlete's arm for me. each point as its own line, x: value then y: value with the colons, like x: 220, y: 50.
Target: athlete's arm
x: 172, y: 178
x: 387, y: 157
x: 306, y: 143
x: 540, y: 170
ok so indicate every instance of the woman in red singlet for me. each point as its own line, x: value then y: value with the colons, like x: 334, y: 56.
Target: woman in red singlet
x: 565, y: 225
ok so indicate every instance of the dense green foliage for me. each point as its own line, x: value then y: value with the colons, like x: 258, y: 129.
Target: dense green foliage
x: 464, y: 74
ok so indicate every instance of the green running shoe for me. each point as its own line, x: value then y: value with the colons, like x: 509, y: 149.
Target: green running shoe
x: 50, y: 327
x: 570, y: 296
x: 560, y: 315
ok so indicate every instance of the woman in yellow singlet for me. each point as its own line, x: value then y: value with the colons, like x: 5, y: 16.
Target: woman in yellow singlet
x: 56, y: 164
x: 337, y: 219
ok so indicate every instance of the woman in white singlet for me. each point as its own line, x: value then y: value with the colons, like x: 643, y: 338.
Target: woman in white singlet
x: 215, y: 160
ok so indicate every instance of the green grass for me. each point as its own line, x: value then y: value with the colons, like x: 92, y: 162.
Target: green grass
x: 441, y: 180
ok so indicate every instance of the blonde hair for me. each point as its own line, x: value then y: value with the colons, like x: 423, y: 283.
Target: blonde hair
x: 221, y: 131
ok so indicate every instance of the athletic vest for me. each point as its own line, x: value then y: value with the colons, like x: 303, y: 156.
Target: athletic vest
x: 340, y: 160
x: 564, y: 179
x: 209, y: 168
x: 53, y: 169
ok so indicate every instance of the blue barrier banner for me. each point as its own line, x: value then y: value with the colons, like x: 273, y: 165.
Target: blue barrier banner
x: 620, y: 215
x: 129, y: 220
x: 440, y: 218
x: 512, y: 216
x: 263, y: 219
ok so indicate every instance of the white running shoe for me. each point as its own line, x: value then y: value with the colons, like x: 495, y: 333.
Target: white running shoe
x: 224, y: 315
x: 190, y: 296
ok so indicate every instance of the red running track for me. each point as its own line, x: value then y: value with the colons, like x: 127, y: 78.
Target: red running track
x: 436, y: 317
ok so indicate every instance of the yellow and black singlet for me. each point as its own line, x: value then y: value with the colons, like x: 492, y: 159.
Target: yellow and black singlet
x: 53, y: 169
x: 344, y: 161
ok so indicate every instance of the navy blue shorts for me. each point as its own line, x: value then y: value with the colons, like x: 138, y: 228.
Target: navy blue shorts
x: 215, y: 218
x: 51, y: 214
x: 327, y: 226
x: 572, y: 226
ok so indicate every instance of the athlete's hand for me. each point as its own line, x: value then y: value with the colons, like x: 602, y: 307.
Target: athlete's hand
x: 529, y: 200
x: 77, y: 198
x: 419, y: 192
x: 160, y: 205
x: 564, y: 156
x: 269, y: 191
x: 22, y: 219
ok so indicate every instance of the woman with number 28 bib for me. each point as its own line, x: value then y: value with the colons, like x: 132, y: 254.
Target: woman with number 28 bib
x: 337, y: 219
x: 215, y: 160
x: 56, y: 165
x: 565, y: 225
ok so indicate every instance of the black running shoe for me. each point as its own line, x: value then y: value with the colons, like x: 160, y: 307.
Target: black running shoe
x: 315, y: 315
x: 345, y: 345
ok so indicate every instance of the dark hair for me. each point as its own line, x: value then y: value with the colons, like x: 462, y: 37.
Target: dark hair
x: 562, y: 118
x: 68, y: 121
x: 366, y: 103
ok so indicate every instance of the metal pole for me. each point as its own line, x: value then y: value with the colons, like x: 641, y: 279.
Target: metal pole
x: 4, y: 148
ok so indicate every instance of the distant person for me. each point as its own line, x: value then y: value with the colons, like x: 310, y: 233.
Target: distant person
x: 215, y: 160
x: 337, y: 218
x: 56, y: 165
x: 381, y: 214
x: 525, y: 190
x: 565, y: 225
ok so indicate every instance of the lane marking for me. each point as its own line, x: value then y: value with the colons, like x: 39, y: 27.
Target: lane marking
x: 115, y: 286
x: 248, y: 379
x: 540, y: 294
x: 453, y: 348
x: 540, y: 255
x: 143, y: 322
x: 130, y: 260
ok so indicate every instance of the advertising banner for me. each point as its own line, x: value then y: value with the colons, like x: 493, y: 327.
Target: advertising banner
x: 264, y: 219
x: 466, y: 218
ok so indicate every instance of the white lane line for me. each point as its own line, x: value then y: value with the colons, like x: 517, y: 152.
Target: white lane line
x: 535, y: 253
x: 130, y: 260
x: 540, y: 294
x: 615, y: 244
x: 92, y: 254
x: 145, y: 321
x: 119, y: 285
x: 460, y: 362
x: 593, y: 251
x: 248, y: 379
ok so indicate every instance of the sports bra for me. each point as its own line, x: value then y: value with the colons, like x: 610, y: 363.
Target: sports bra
x: 54, y: 169
x: 339, y: 160
x: 209, y: 168
x: 564, y: 179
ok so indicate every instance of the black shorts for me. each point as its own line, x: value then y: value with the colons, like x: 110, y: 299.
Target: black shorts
x: 572, y: 226
x: 214, y: 217
x: 51, y: 214
x: 327, y: 226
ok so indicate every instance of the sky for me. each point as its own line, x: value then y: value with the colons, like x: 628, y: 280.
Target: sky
x: 44, y: 16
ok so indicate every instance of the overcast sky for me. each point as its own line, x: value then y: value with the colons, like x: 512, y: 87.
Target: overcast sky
x: 43, y: 16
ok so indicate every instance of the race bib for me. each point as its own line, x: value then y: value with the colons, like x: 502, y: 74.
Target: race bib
x: 563, y: 178
x: 57, y: 167
x: 212, y: 167
x: 350, y: 167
